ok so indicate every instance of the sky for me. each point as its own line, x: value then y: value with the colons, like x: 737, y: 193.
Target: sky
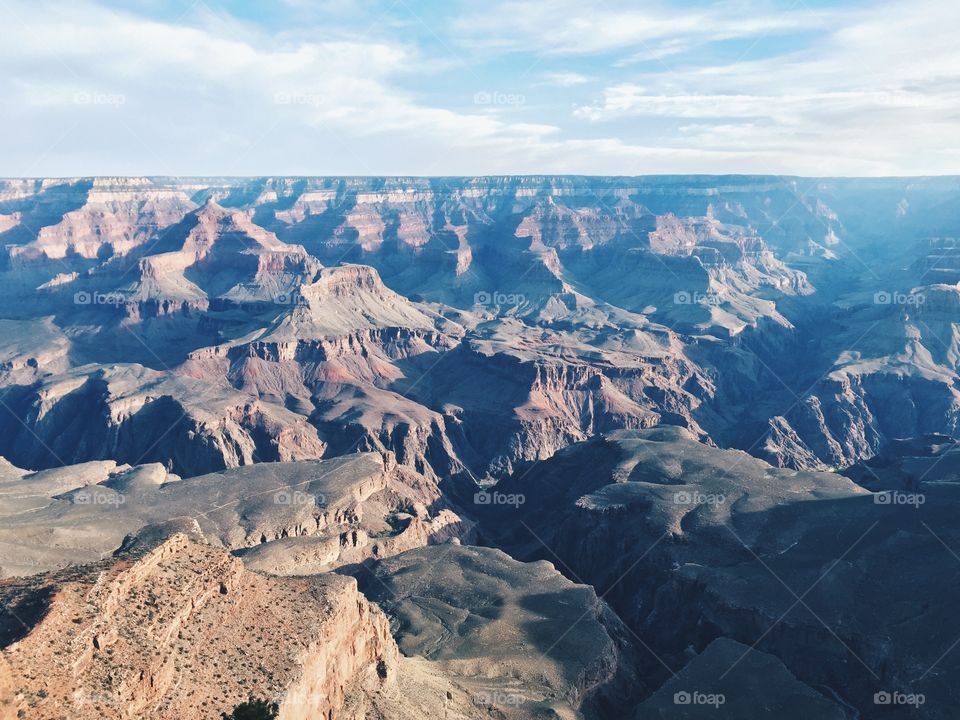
x: 464, y: 87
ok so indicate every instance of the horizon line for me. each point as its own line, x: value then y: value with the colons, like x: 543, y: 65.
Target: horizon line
x: 297, y: 176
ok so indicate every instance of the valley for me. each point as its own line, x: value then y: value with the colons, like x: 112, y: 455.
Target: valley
x: 513, y: 447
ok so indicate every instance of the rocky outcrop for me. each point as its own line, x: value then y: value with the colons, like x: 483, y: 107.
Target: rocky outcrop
x: 183, y: 631
x: 285, y: 518
x: 898, y: 381
x: 134, y: 414
x: 308, y: 555
x: 115, y: 215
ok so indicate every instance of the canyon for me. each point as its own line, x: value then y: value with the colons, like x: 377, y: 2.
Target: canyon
x: 517, y: 447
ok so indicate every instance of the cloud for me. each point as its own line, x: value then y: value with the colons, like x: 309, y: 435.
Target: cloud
x: 192, y: 101
x: 184, y: 86
x: 572, y: 27
x: 788, y: 108
x: 565, y: 79
x: 879, y: 94
x: 96, y: 90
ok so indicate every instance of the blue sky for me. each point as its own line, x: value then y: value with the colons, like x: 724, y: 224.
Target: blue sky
x: 373, y: 87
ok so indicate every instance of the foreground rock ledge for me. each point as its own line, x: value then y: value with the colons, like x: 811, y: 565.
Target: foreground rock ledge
x: 183, y: 631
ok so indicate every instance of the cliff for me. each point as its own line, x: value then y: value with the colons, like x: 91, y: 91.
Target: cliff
x: 183, y: 631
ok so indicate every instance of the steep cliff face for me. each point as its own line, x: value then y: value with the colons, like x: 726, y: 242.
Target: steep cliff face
x: 215, y: 253
x: 351, y: 298
x: 899, y: 381
x: 134, y: 414
x: 183, y: 631
x: 376, y: 371
x: 209, y: 260
x: 335, y: 357
x: 513, y: 395
x: 98, y: 218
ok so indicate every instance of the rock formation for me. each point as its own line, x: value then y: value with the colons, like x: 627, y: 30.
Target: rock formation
x: 708, y: 423
x: 183, y: 631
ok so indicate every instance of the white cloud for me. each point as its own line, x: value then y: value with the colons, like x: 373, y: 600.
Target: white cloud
x: 565, y: 79
x: 788, y: 108
x: 577, y: 27
x: 875, y: 93
x: 187, y: 84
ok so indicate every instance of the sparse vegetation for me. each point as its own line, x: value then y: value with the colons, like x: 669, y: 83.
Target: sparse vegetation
x: 253, y: 709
